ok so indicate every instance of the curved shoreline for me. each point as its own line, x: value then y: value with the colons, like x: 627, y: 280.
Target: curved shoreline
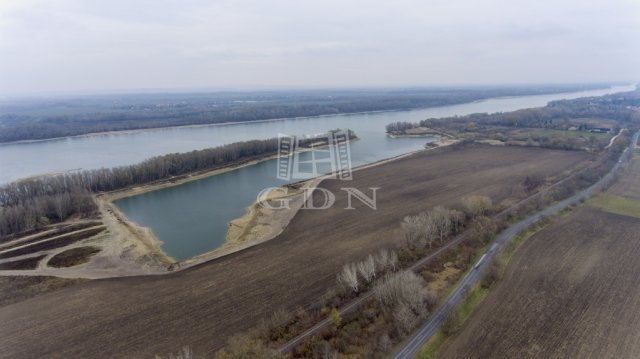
x: 259, y: 225
x: 143, y: 237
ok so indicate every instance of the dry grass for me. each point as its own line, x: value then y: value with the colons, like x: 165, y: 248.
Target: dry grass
x: 617, y: 204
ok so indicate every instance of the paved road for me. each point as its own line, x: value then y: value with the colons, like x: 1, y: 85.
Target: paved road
x: 613, y: 139
x: 437, y: 318
x: 364, y: 297
x: 419, y: 264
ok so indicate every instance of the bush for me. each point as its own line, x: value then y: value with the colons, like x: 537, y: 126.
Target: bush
x: 492, y: 275
x: 484, y: 229
x: 336, y: 319
x: 452, y: 323
x: 243, y: 347
x: 275, y: 328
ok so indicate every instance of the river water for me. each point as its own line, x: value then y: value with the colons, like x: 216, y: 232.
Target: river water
x: 192, y: 218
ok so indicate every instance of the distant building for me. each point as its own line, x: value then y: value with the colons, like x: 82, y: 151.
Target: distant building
x: 599, y: 129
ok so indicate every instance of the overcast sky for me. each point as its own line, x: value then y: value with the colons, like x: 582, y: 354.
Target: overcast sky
x: 83, y: 46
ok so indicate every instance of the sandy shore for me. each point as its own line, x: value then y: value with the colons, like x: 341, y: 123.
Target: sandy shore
x: 420, y: 132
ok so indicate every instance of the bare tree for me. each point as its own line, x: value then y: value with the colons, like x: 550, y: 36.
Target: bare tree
x: 349, y: 277
x: 411, y: 228
x: 439, y: 218
x: 367, y: 268
x: 324, y: 350
x: 404, y: 287
x: 477, y: 205
x: 484, y: 228
x: 404, y: 318
x: 457, y: 220
x: 275, y: 327
x: 393, y: 260
x: 384, y: 343
x: 382, y: 260
x: 428, y: 228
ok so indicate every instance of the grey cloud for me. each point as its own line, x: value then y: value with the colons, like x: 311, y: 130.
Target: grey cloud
x: 74, y: 45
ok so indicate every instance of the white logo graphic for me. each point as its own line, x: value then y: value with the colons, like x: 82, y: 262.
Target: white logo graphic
x: 311, y: 156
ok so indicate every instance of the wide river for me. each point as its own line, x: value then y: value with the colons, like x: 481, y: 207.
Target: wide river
x: 193, y: 218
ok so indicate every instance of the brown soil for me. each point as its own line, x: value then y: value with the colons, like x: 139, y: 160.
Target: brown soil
x: 44, y: 233
x: 52, y: 243
x: 137, y: 317
x: 22, y: 264
x: 571, y: 291
x: 628, y: 184
x: 18, y: 288
x: 72, y: 257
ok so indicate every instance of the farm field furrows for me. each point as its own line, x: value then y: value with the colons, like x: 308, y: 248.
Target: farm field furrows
x: 138, y: 317
x: 571, y: 291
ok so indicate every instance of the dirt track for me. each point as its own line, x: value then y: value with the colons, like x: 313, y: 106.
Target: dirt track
x: 141, y: 316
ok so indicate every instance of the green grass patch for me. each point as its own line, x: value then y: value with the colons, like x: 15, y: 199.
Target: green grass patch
x: 474, y: 298
x: 431, y: 348
x: 566, y: 133
x: 510, y: 248
x: 617, y: 205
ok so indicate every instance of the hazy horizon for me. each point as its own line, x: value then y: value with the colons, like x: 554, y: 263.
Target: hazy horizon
x: 73, y: 47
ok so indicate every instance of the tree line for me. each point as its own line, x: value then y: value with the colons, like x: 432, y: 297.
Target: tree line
x: 556, y: 115
x: 621, y: 107
x: 401, y: 126
x: 50, y: 118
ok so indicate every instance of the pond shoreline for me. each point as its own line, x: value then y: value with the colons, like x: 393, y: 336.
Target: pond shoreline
x: 150, y: 246
x: 256, y: 226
